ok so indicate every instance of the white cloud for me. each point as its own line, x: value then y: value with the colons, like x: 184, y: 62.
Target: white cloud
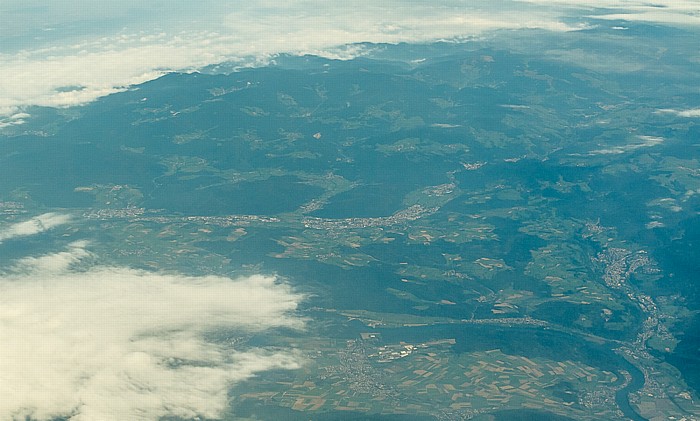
x: 690, y: 113
x: 33, y: 226
x: 12, y: 119
x: 112, y: 344
x: 654, y: 224
x: 656, y: 16
x: 638, y: 143
x: 53, y: 263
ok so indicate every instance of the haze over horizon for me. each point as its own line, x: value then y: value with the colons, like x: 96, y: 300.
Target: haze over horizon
x: 70, y: 52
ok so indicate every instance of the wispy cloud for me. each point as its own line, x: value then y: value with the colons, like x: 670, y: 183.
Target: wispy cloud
x: 113, y: 343
x: 33, y: 226
x: 689, y: 113
x: 676, y: 12
x: 637, y: 143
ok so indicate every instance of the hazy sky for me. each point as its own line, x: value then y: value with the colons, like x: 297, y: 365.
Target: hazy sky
x: 103, y: 46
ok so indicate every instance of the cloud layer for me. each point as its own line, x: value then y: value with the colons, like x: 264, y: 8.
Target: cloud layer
x: 69, y: 52
x: 112, y: 344
x: 58, y: 68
